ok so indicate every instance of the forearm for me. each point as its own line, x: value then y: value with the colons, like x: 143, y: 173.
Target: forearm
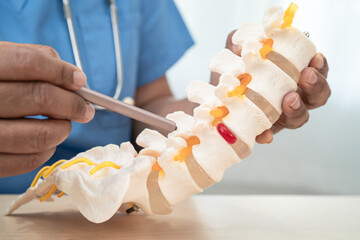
x: 165, y: 103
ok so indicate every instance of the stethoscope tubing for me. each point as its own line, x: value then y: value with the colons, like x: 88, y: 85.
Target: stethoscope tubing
x: 116, y: 39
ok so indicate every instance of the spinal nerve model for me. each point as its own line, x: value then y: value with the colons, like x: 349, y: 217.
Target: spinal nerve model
x: 221, y: 132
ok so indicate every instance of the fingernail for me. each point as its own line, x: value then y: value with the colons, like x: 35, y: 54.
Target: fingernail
x: 312, y: 78
x: 296, y: 104
x: 79, y: 78
x: 90, y: 112
x: 319, y: 62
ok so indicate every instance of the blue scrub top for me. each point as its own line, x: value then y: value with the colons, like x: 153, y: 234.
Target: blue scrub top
x: 153, y: 37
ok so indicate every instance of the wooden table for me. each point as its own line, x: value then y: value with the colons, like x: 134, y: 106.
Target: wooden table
x: 200, y: 217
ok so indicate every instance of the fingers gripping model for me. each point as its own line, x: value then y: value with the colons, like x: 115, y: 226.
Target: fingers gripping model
x: 246, y: 102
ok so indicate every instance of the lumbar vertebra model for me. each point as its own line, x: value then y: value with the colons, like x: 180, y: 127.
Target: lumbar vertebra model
x: 246, y: 102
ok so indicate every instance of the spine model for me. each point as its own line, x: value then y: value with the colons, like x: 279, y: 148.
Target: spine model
x: 246, y: 102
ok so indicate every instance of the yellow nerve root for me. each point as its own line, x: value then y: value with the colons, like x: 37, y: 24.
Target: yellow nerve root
x: 244, y: 79
x: 38, y: 175
x: 78, y: 160
x: 60, y: 194
x: 267, y: 47
x: 219, y: 113
x: 289, y: 15
x: 102, y: 165
x: 186, y: 151
x: 51, y: 192
x: 52, y: 168
x: 156, y: 167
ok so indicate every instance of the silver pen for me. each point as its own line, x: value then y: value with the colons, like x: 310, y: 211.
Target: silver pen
x: 128, y: 110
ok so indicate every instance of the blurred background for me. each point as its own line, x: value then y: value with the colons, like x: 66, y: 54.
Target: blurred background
x: 323, y: 157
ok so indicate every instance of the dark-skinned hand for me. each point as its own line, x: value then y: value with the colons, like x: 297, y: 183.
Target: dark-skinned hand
x: 35, y: 81
x: 313, y: 92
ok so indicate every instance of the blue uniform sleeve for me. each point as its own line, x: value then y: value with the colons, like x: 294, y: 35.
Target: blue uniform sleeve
x: 164, y: 39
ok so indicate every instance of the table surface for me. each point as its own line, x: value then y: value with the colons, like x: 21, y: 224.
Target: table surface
x: 200, y: 217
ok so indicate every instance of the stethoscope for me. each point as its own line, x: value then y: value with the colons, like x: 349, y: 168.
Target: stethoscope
x: 117, y: 46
